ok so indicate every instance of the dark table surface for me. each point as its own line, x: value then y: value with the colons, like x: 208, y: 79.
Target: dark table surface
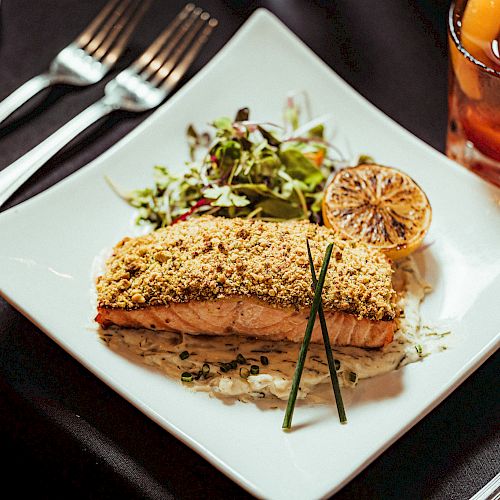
x: 65, y: 433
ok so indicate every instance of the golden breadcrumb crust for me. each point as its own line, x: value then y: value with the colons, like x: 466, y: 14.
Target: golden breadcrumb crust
x: 208, y: 258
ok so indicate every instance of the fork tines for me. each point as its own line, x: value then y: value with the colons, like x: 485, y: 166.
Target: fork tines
x: 107, y: 35
x: 165, y: 61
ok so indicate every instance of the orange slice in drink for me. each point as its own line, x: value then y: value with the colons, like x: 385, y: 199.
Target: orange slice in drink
x: 379, y: 205
x: 480, y: 26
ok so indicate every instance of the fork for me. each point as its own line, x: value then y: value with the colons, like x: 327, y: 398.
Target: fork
x: 87, y: 59
x: 140, y: 87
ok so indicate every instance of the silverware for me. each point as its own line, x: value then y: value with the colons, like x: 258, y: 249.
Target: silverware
x: 86, y: 60
x: 142, y: 86
x: 490, y: 491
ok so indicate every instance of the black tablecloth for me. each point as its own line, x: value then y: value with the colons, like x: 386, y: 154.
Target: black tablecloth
x: 62, y: 431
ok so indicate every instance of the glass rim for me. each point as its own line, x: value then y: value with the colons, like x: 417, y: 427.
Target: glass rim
x: 461, y: 48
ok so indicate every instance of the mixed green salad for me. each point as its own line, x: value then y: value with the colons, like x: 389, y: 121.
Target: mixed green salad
x: 243, y: 168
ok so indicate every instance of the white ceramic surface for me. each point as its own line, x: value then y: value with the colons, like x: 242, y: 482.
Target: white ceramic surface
x: 47, y: 245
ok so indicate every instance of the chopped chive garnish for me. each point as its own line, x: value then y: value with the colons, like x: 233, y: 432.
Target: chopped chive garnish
x: 337, y: 364
x: 234, y: 364
x: 205, y: 369
x: 241, y: 359
x: 264, y: 360
x: 244, y: 372
x: 254, y: 370
x: 184, y: 355
x: 419, y: 349
x: 287, y: 421
x: 187, y: 377
x: 353, y: 377
x: 226, y: 367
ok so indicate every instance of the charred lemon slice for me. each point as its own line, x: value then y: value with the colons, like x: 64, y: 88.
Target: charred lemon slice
x: 380, y: 206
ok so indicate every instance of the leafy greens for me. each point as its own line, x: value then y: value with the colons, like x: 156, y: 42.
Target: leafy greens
x: 244, y: 169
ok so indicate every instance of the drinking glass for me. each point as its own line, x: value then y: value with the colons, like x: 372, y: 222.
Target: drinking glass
x: 473, y: 137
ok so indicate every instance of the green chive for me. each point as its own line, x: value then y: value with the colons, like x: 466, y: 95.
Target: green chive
x: 241, y: 359
x: 353, y: 377
x: 234, y: 364
x: 333, y: 364
x: 187, y: 377
x: 419, y: 349
x: 254, y: 370
x: 287, y: 421
x: 244, y: 373
x: 205, y: 369
x: 264, y: 360
x: 184, y: 355
x: 223, y: 368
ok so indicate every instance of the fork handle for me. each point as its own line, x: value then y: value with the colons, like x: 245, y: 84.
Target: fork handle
x: 18, y: 172
x: 24, y: 93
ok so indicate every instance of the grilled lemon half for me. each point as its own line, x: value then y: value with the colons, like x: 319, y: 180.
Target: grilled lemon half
x: 379, y: 205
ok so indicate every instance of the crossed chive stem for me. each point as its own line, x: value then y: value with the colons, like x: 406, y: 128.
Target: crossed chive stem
x: 332, y: 362
x: 316, y: 309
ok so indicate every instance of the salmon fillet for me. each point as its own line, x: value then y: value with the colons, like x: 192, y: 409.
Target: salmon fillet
x: 246, y: 316
x: 218, y: 276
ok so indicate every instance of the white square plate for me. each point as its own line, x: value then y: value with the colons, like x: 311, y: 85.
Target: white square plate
x: 48, y: 243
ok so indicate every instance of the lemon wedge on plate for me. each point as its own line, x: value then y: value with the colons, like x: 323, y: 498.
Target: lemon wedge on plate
x: 379, y: 205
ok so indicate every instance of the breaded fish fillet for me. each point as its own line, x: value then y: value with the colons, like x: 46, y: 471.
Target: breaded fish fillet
x: 219, y: 276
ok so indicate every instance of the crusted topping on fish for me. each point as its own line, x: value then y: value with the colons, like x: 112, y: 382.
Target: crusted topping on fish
x: 208, y: 258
